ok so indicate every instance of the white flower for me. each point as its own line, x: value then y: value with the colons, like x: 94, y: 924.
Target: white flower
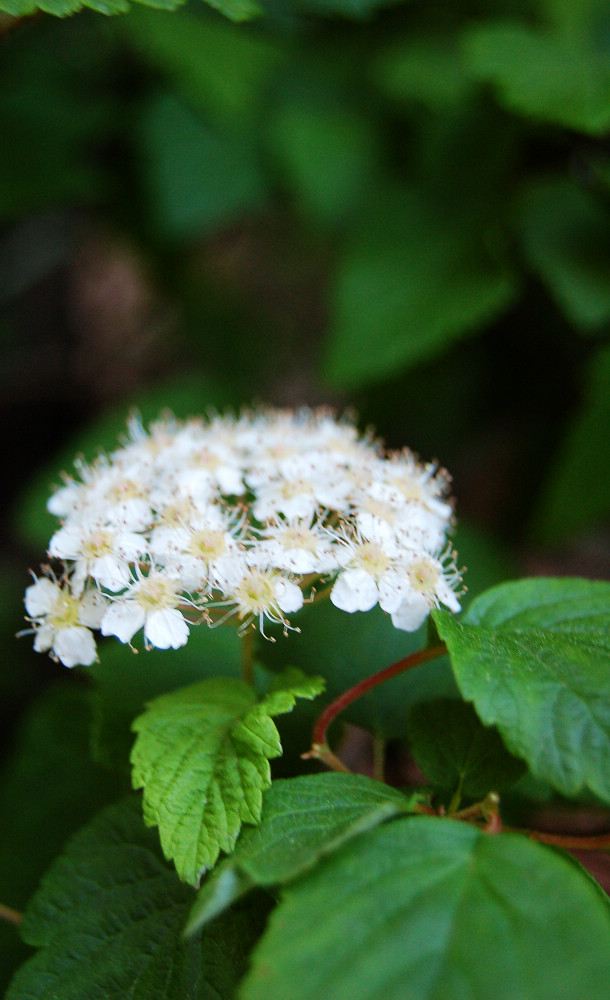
x: 98, y: 551
x: 430, y: 584
x: 62, y: 622
x: 264, y: 593
x: 151, y: 603
x: 240, y: 517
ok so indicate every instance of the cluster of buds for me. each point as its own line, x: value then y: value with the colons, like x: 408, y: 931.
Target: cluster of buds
x: 240, y: 519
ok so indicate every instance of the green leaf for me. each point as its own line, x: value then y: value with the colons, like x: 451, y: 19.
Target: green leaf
x: 303, y: 819
x: 356, y: 10
x: 64, y: 8
x: 125, y: 683
x: 416, y: 277
x: 202, y: 757
x: 198, y: 179
x: 533, y: 657
x: 557, y: 75
x: 457, y: 753
x: 425, y: 69
x: 565, y: 235
x: 108, y: 922
x: 577, y: 494
x: 48, y: 787
x: 430, y: 908
x: 220, y: 70
x: 350, y: 647
x: 327, y: 155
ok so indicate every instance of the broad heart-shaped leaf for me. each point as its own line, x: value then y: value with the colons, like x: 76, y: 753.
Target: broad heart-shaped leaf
x: 108, y: 921
x: 577, y: 494
x: 349, y: 647
x: 433, y: 909
x: 565, y: 235
x: 303, y: 819
x: 555, y: 75
x: 534, y: 656
x: 457, y: 753
x: 202, y: 757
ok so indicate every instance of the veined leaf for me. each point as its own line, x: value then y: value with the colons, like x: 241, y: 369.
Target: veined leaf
x: 533, y: 656
x: 303, y: 819
x: 202, y: 757
x: 108, y: 922
x: 433, y: 909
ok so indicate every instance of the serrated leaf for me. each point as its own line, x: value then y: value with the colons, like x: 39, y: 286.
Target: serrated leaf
x: 564, y: 232
x: 48, y: 787
x: 64, y: 8
x: 202, y: 757
x: 303, y: 819
x: 554, y: 75
x: 434, y: 909
x: 577, y: 494
x: 457, y: 753
x: 350, y: 647
x: 415, y: 278
x: 533, y: 657
x: 108, y: 922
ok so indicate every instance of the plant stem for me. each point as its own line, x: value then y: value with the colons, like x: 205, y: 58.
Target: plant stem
x: 12, y: 916
x: 319, y: 747
x: 247, y: 656
x: 597, y: 842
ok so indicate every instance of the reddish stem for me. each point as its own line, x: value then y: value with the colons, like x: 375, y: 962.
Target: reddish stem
x: 367, y: 684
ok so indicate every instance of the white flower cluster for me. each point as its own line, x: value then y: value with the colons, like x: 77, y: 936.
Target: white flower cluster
x: 245, y: 516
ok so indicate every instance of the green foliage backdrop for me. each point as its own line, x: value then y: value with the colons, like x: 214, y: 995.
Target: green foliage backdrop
x: 400, y: 207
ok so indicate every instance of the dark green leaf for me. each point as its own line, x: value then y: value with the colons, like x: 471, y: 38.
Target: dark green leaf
x: 219, y: 69
x: 457, y: 753
x: 198, y: 179
x: 533, y: 657
x: 416, y: 277
x: 108, y: 919
x: 202, y: 757
x: 48, y: 787
x: 577, y: 495
x: 303, y: 819
x: 566, y: 239
x: 434, y: 909
x: 350, y: 647
x: 327, y: 155
x: 557, y: 75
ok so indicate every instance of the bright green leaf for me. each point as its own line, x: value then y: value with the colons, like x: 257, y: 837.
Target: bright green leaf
x: 108, y: 919
x: 577, y: 494
x: 303, y: 819
x: 457, y: 753
x: 559, y: 76
x: 566, y: 239
x: 434, y: 909
x: 416, y: 277
x: 202, y: 757
x: 533, y: 657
